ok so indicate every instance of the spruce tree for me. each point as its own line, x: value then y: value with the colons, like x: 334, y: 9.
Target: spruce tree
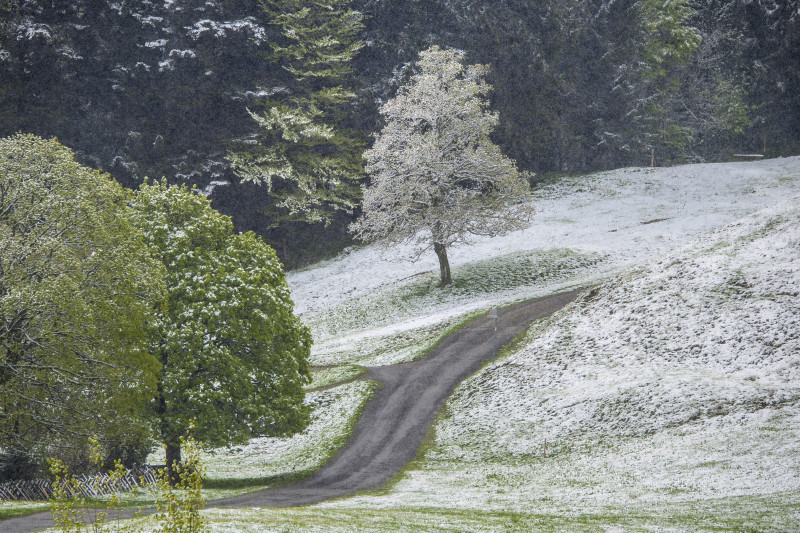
x: 668, y: 42
x: 308, y: 159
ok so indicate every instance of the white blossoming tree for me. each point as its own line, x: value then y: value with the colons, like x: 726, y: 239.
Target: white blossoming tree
x: 233, y: 354
x: 437, y: 178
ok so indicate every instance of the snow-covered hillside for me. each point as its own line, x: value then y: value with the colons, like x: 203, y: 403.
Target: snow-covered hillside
x: 666, y: 398
x: 673, y: 388
x: 377, y: 307
x: 676, y: 382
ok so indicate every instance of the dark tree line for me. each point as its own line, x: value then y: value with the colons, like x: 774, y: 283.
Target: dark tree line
x: 162, y: 89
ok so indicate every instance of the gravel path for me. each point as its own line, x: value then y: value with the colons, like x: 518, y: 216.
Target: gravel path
x: 394, y: 421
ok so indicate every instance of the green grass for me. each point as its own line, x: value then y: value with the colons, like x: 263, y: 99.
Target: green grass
x: 349, y: 333
x: 326, y: 377
x: 11, y: 509
x: 778, y: 512
x: 470, y: 281
x: 741, y: 514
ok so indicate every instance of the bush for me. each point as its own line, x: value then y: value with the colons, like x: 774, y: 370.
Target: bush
x: 16, y: 465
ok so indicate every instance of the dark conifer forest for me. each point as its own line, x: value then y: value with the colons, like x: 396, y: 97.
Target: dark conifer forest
x: 163, y: 88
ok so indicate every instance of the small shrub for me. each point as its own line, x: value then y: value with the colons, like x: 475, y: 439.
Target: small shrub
x: 16, y: 464
x: 178, y: 505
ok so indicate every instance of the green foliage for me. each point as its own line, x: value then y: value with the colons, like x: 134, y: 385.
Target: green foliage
x: 732, y: 112
x: 309, y: 161
x: 69, y: 507
x: 179, y: 504
x: 77, y: 285
x: 234, y: 356
x: 669, y: 41
x: 66, y: 509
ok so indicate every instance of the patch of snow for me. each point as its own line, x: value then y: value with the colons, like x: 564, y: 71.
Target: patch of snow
x: 149, y: 20
x: 29, y: 30
x: 208, y: 189
x: 256, y: 32
x: 182, y: 53
x: 69, y: 53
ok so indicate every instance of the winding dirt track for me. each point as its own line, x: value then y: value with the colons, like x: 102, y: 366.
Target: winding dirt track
x: 394, y: 421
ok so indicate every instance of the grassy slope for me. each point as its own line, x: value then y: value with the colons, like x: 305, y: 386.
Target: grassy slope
x: 456, y: 485
x: 669, y: 398
x: 627, y: 423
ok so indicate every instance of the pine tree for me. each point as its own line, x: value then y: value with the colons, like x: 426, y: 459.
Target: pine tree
x: 669, y: 40
x: 308, y: 159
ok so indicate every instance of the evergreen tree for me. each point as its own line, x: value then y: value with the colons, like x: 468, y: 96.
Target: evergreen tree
x: 715, y: 80
x: 658, y: 108
x: 773, y: 31
x: 304, y: 154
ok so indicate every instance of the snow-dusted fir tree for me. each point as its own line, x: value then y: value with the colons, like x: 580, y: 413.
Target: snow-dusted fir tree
x: 660, y: 114
x: 308, y: 159
x: 437, y: 178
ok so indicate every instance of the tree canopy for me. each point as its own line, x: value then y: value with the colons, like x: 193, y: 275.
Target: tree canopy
x: 233, y: 355
x: 77, y: 285
x: 437, y: 179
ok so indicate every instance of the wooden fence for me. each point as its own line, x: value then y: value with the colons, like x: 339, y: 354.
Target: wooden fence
x: 90, y: 486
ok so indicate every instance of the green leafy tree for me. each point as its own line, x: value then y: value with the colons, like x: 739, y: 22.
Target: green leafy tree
x: 233, y: 355
x: 77, y: 285
x: 304, y: 154
x: 437, y: 178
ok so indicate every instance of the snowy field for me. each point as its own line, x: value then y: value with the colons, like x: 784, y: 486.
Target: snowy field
x: 675, y: 384
x: 667, y: 398
x: 372, y: 306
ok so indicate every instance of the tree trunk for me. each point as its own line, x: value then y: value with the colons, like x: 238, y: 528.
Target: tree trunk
x: 171, y: 442
x: 444, y: 264
x: 173, y: 453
